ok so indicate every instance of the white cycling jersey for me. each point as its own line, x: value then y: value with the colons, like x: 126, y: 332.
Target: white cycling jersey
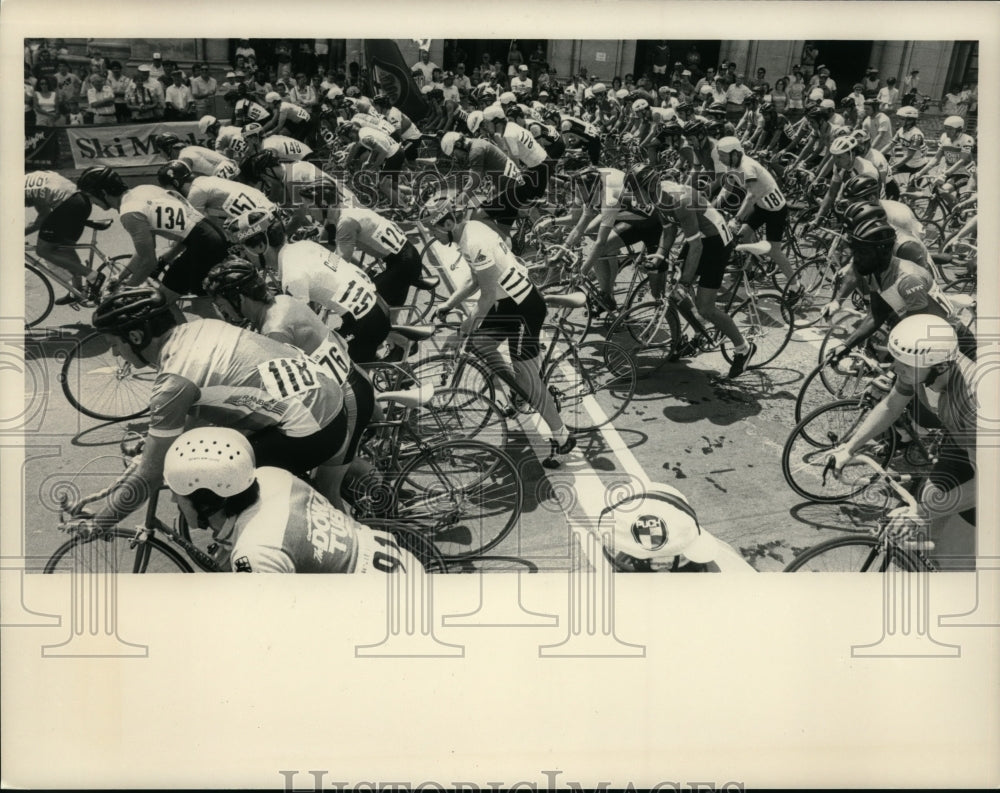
x: 168, y: 213
x: 288, y: 149
x: 223, y: 198
x: 314, y: 274
x: 486, y: 250
x: 206, y: 162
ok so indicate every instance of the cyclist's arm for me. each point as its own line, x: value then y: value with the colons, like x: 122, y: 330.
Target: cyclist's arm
x: 143, y: 262
x: 347, y: 239
x: 881, y: 417
x: 687, y: 220
x: 930, y: 164
x: 36, y: 224
x: 877, y: 316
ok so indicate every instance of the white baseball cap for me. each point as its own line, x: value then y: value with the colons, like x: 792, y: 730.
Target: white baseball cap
x: 156, y: 56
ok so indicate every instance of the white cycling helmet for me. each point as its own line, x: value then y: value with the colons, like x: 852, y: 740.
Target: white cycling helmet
x: 437, y: 208
x: 621, y: 93
x: 639, y: 105
x: 706, y: 89
x: 272, y: 96
x: 845, y: 144
x: 448, y: 141
x: 249, y: 224
x: 493, y: 113
x: 922, y: 340
x: 729, y: 144
x: 907, y: 111
x: 205, y: 122
x: 828, y: 103
x: 474, y: 121
x: 656, y: 523
x: 252, y: 130
x: 335, y: 92
x: 956, y: 122
x: 508, y: 98
x: 211, y: 458
x: 599, y: 88
x: 363, y: 105
x: 587, y: 94
x: 663, y: 90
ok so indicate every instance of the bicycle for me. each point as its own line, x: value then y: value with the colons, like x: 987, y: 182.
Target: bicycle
x: 39, y: 298
x: 877, y: 551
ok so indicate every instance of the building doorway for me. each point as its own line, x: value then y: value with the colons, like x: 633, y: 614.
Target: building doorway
x: 695, y: 55
x: 847, y: 62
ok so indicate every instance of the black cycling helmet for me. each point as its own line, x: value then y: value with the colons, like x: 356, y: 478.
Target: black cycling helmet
x: 174, y: 174
x: 695, y: 127
x: 382, y: 100
x: 513, y: 111
x: 768, y: 107
x: 575, y: 162
x: 256, y: 164
x: 817, y: 113
x: 672, y: 128
x: 860, y: 187
x: 684, y: 107
x: 860, y: 212
x: 643, y: 173
x: 99, y: 180
x: 873, y: 234
x: 166, y: 143
x: 716, y: 109
x: 234, y: 277
x: 136, y: 316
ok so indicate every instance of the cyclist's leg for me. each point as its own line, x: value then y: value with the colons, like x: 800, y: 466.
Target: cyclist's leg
x: 402, y: 270
x: 62, y: 229
x: 952, y: 469
x: 359, y: 405
x: 710, y: 269
x: 774, y: 229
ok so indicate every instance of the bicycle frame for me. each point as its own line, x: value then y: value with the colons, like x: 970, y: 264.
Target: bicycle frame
x: 61, y: 276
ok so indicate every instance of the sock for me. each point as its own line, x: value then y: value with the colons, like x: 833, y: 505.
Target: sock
x: 743, y: 349
x: 561, y: 436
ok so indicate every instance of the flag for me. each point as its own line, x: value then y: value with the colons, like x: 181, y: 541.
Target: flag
x: 392, y: 75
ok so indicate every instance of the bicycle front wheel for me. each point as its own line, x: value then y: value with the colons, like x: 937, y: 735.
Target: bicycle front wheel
x: 38, y: 296
x: 455, y: 413
x: 464, y: 496
x: 861, y: 554
x: 766, y: 321
x: 818, y: 282
x: 103, y: 386
x: 445, y: 371
x: 649, y: 332
x: 116, y: 551
x: 593, y: 384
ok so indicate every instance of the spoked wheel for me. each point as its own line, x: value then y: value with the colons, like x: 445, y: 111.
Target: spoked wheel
x: 592, y: 383
x: 117, y: 551
x: 648, y: 332
x: 804, y: 457
x: 456, y: 413
x: 853, y: 555
x: 103, y: 386
x: 826, y: 384
x: 578, y: 320
x: 38, y: 296
x: 445, y: 371
x: 464, y: 496
x: 766, y: 321
x: 818, y: 283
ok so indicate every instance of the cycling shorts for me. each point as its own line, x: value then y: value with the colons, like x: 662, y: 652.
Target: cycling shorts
x: 773, y: 222
x: 410, y: 149
x: 298, y: 455
x: 712, y: 263
x: 402, y: 270
x: 556, y: 149
x: 646, y: 230
x: 395, y: 162
x: 517, y: 324
x: 65, y: 223
x: 204, y: 248
x: 359, y: 405
x: 364, y: 336
x: 953, y: 468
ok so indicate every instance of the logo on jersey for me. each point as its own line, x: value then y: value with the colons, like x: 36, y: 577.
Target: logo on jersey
x: 135, y: 337
x: 650, y: 532
x: 242, y: 565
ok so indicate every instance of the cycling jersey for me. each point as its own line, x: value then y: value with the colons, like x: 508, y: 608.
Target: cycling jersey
x: 249, y: 110
x: 369, y: 231
x: 395, y: 117
x: 910, y: 142
x: 879, y: 129
x: 166, y: 212
x: 579, y: 128
x: 45, y: 190
x: 522, y: 146
x: 289, y: 112
x: 230, y: 143
x: 287, y: 149
x: 957, y: 404
x: 881, y: 164
x: 487, y: 158
x: 375, y: 121
x: 377, y: 141
x: 314, y: 274
x: 901, y: 218
x: 907, y: 289
x: 952, y: 149
x: 760, y: 184
x: 486, y: 251
x: 692, y: 212
x: 223, y: 198
x: 292, y: 529
x: 859, y: 167
x: 224, y: 375
x: 206, y: 162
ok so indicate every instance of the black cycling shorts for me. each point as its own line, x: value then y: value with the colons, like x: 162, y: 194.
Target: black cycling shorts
x: 359, y: 405
x: 712, y: 263
x: 536, y: 182
x: 65, y: 224
x: 953, y: 468
x: 299, y: 455
x: 204, y: 248
x: 402, y: 270
x: 410, y: 149
x: 518, y: 325
x: 646, y: 230
x: 364, y: 336
x: 594, y: 150
x: 772, y: 220
x: 556, y: 148
x: 395, y: 162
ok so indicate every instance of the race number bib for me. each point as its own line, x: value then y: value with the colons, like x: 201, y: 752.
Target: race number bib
x: 773, y: 201
x: 358, y: 296
x: 169, y: 217
x: 226, y: 171
x: 238, y: 203
x: 333, y: 357
x: 391, y: 238
x: 289, y: 377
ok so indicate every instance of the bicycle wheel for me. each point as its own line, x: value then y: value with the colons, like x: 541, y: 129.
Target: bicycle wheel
x: 825, y: 384
x: 103, y: 386
x: 766, y: 321
x: 446, y: 371
x: 842, y: 325
x: 807, y: 449
x: 117, y: 551
x: 460, y: 413
x: 464, y: 496
x: 578, y: 320
x: 819, y: 284
x: 853, y: 555
x: 648, y: 332
x: 38, y: 296
x: 593, y: 384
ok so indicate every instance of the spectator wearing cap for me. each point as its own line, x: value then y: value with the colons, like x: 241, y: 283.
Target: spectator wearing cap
x: 203, y: 89
x: 178, y: 100
x: 462, y: 81
x: 871, y: 83
x: 823, y: 81
x: 737, y: 95
x: 156, y: 70
x: 145, y: 102
x: 888, y: 96
x: 101, y: 100
x: 911, y: 83
x: 522, y: 83
x: 857, y: 96
x: 449, y: 89
x: 120, y: 84
x: 425, y: 66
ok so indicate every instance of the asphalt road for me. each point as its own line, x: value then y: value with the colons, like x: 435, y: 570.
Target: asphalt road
x: 719, y: 441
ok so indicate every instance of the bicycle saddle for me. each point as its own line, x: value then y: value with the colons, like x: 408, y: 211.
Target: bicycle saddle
x: 761, y: 248
x: 414, y: 332
x: 942, y: 258
x: 100, y: 225
x: 411, y: 398
x: 572, y: 300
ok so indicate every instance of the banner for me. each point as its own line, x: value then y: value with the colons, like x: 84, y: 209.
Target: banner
x: 41, y: 149
x: 390, y: 72
x: 127, y: 145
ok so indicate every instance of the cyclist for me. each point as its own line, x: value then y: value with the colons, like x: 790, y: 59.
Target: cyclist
x: 707, y: 246
x: 288, y: 149
x: 149, y: 212
x: 383, y: 155
x: 909, y: 147
x: 242, y: 298
x: 289, y: 184
x: 657, y: 530
x: 227, y: 140
x: 583, y: 134
x: 310, y: 272
x: 210, y: 372
x: 845, y: 163
x: 509, y: 309
x: 217, y: 198
x: 408, y: 132
x: 763, y: 205
x: 63, y: 210
x: 706, y: 156
x: 268, y: 520
x: 523, y: 149
x: 202, y: 161
x: 954, y: 152
x: 900, y: 216
x: 486, y: 161
x: 548, y: 137
x: 927, y: 355
x: 287, y: 117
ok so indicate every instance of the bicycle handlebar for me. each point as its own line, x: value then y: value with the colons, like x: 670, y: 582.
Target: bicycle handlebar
x: 893, y: 480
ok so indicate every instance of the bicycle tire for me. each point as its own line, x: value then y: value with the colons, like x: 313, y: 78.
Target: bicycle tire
x: 808, y: 446
x: 600, y: 370
x: 818, y: 287
x: 100, y: 385
x: 460, y: 413
x: 39, y: 299
x: 465, y: 496
x: 842, y: 325
x: 867, y: 552
x: 641, y: 332
x: 831, y: 387
x: 152, y: 555
x: 445, y: 371
x: 766, y: 321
